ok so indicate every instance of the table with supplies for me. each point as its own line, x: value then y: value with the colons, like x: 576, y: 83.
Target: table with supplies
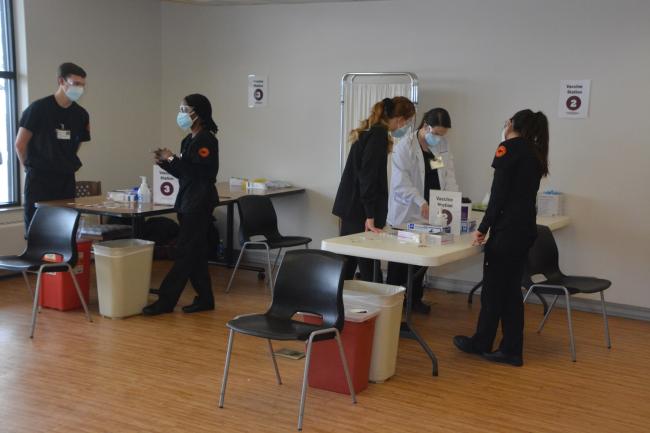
x: 386, y: 246
x: 138, y: 212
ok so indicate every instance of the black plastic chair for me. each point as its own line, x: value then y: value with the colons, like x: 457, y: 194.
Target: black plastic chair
x: 543, y: 259
x: 309, y: 281
x: 52, y: 231
x: 257, y: 217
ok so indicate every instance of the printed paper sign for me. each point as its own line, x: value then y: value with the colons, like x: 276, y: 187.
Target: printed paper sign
x: 165, y: 187
x: 574, y: 99
x: 449, y: 203
x: 257, y: 91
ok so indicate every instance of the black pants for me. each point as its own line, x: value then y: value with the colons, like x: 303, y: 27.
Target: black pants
x: 191, y: 261
x: 46, y: 185
x: 366, y: 266
x: 398, y: 276
x: 501, y: 297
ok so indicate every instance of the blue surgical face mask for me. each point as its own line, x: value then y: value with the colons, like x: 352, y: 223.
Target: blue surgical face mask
x: 432, y: 139
x: 74, y: 92
x: 184, y: 120
x: 400, y: 132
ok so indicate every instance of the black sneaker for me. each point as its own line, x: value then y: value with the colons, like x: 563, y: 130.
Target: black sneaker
x: 197, y: 305
x: 504, y: 358
x: 156, y: 308
x: 465, y: 344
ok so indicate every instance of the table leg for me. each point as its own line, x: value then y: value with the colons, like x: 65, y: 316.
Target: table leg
x: 407, y: 326
x: 474, y: 289
x: 230, y: 210
x: 376, y: 271
x: 137, y: 228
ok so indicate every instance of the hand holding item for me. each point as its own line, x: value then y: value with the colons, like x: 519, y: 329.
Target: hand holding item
x: 424, y: 211
x: 163, y: 154
x: 370, y: 226
x: 478, y: 238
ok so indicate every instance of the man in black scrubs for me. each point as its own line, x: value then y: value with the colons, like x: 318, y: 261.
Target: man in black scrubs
x: 51, y: 130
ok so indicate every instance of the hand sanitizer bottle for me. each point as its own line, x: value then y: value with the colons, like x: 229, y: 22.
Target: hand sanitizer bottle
x: 144, y: 193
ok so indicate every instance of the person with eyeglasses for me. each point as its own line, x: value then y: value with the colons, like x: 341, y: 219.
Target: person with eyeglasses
x: 362, y: 197
x: 520, y: 162
x: 196, y: 168
x: 422, y: 161
x: 50, y: 133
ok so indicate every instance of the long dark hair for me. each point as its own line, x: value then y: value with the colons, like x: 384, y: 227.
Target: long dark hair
x: 533, y: 127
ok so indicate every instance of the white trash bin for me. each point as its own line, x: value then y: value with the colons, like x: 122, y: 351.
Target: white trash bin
x: 388, y: 299
x: 123, y: 276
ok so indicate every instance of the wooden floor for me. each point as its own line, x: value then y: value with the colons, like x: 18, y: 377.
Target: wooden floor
x: 162, y: 375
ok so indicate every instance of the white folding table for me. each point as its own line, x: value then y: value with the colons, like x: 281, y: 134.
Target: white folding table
x: 386, y: 246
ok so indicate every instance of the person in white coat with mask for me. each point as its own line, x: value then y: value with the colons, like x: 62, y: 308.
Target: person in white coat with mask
x: 421, y: 161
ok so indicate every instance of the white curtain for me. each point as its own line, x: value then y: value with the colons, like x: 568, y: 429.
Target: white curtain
x: 358, y: 99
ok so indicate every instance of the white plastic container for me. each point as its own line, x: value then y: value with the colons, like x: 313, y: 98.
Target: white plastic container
x: 388, y: 299
x: 123, y: 276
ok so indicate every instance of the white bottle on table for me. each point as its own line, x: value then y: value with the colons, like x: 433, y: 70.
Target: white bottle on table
x: 144, y: 193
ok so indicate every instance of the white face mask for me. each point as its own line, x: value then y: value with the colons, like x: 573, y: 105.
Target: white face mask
x: 74, y: 92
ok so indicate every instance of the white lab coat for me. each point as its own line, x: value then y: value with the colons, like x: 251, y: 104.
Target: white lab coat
x: 406, y: 194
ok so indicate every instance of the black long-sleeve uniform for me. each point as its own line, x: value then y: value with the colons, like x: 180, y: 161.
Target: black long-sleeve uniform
x: 510, y: 220
x: 363, y: 191
x: 196, y: 169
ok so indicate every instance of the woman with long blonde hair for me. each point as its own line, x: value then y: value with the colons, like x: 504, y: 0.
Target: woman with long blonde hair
x: 362, y: 198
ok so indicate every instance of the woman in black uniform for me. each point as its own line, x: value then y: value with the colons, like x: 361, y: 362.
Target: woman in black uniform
x: 362, y: 198
x: 519, y: 164
x: 196, y: 169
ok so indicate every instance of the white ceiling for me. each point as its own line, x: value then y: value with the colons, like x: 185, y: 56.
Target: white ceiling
x: 257, y: 2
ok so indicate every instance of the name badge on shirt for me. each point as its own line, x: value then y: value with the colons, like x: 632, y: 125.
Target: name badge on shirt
x: 63, y: 134
x: 436, y: 163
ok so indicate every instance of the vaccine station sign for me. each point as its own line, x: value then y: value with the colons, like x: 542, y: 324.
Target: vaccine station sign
x: 574, y: 99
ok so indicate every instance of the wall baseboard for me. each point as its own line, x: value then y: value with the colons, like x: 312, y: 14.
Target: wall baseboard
x: 581, y: 304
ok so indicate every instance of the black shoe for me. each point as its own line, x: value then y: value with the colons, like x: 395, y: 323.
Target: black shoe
x: 155, y: 309
x: 503, y: 358
x: 465, y: 344
x: 197, y: 306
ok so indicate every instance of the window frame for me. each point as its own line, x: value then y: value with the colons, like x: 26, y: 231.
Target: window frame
x: 11, y: 76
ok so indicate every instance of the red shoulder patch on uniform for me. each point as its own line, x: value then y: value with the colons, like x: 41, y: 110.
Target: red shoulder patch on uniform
x: 501, y: 150
x: 204, y: 152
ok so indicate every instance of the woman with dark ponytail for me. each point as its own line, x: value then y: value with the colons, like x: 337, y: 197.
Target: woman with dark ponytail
x: 196, y: 168
x: 520, y: 162
x: 362, y: 198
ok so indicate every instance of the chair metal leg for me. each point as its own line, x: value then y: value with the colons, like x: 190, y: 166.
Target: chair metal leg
x: 528, y: 293
x: 231, y: 337
x: 608, y: 341
x: 305, y: 379
x: 346, y: 370
x: 29, y: 286
x: 277, y: 257
x: 548, y: 313
x: 234, y: 271
x: 269, y: 270
x: 275, y: 363
x: 78, y: 289
x: 568, y: 313
x: 35, y: 307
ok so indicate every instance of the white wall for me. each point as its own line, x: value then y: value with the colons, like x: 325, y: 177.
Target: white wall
x: 118, y: 43
x: 483, y: 60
